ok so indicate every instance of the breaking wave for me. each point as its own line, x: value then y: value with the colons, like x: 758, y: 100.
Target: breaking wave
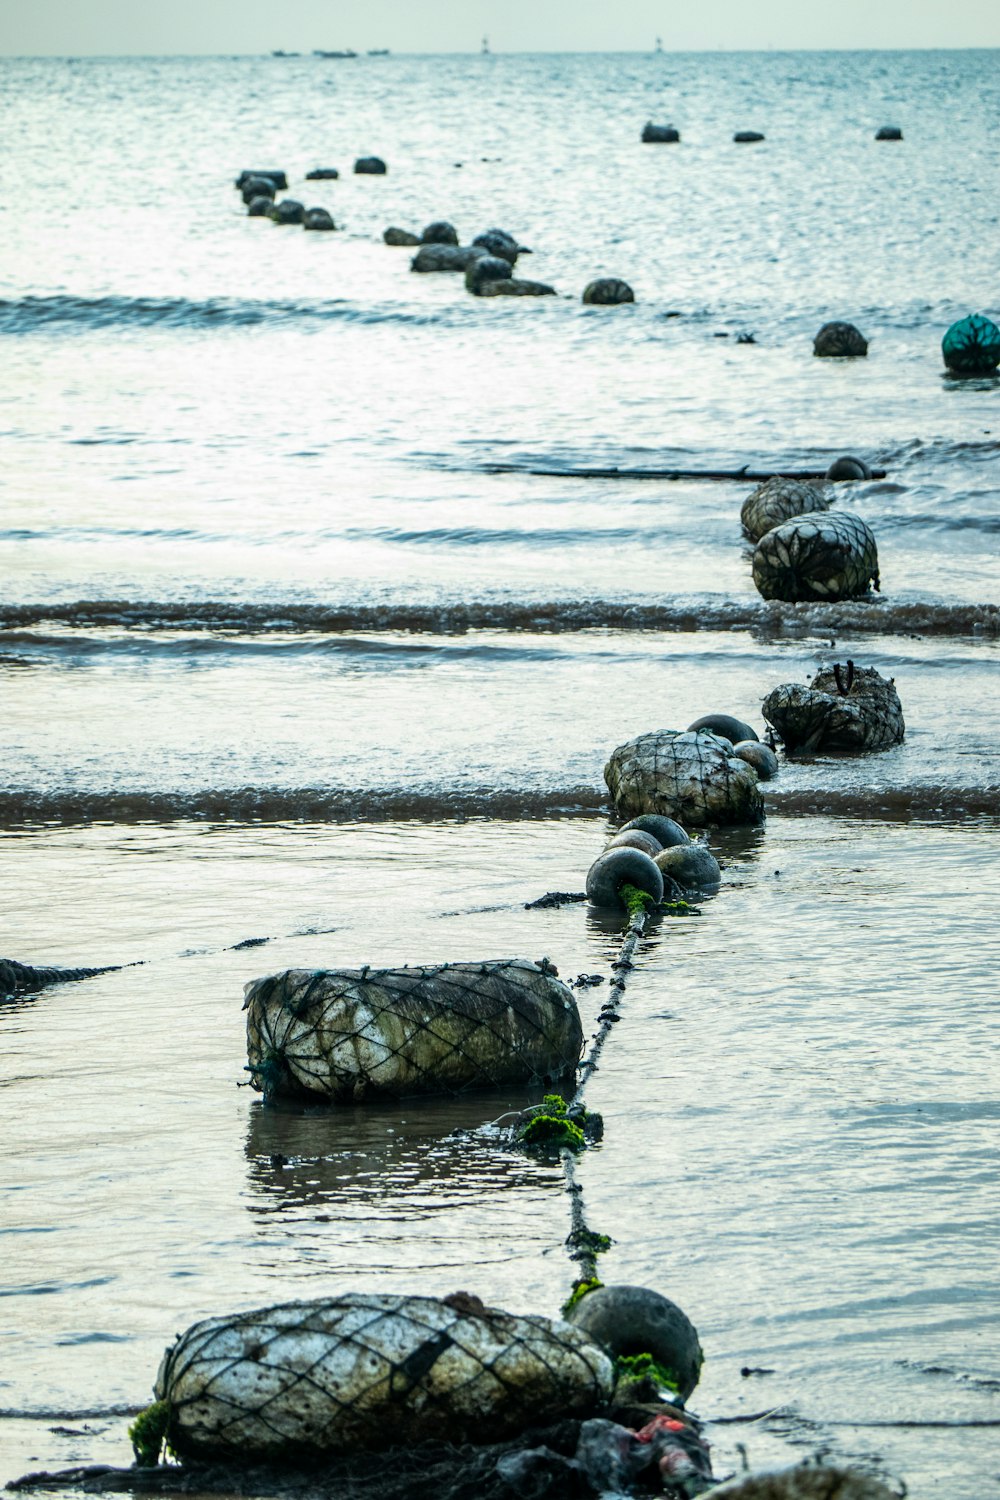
x: 36, y: 314
x: 767, y: 619
x: 247, y: 804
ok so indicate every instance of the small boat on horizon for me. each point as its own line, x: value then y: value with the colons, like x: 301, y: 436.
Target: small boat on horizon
x: 484, y: 50
x: 379, y: 52
x: 277, y: 52
x: 346, y: 52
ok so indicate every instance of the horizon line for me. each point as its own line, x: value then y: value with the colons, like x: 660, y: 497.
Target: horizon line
x: 276, y: 55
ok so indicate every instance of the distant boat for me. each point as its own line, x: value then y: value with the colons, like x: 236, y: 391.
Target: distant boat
x: 485, y: 48
x: 378, y: 52
x: 659, y: 44
x: 278, y: 53
x: 317, y: 52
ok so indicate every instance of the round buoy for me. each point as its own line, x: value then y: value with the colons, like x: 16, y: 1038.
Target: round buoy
x: 619, y: 867
x: 630, y: 1320
x: 725, y: 725
x: 691, y: 865
x: 840, y: 341
x: 972, y: 346
x: 607, y: 291
x: 848, y: 468
x: 636, y: 838
x: 664, y: 829
x: 777, y: 500
x: 758, y: 755
x: 439, y: 233
x: 827, y: 557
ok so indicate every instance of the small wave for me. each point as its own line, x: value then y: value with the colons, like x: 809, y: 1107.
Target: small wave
x: 58, y: 1414
x: 249, y: 805
x: 38, y: 314
x: 20, y: 809
x: 768, y: 619
x: 887, y: 804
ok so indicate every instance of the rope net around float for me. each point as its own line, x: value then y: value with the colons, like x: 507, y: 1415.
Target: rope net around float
x: 308, y: 1379
x: 824, y: 557
x: 348, y: 1033
x: 693, y: 777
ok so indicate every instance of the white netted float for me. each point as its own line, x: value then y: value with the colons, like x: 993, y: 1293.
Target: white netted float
x: 308, y: 1379
x: 345, y: 1034
x: 824, y: 558
x: 693, y: 777
x: 778, y: 500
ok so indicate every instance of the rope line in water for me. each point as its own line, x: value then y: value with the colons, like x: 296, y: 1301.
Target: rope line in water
x: 583, y: 1243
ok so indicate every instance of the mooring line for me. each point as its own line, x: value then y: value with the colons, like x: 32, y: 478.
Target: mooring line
x: 583, y: 1243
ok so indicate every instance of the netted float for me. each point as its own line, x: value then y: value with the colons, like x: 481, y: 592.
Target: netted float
x: 840, y: 341
x: 843, y: 708
x: 972, y: 346
x: 346, y: 1034
x: 693, y: 777
x: 308, y: 1379
x: 823, y: 558
x: 778, y: 500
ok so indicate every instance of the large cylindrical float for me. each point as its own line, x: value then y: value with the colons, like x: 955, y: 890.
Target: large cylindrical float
x: 306, y: 1380
x: 347, y: 1034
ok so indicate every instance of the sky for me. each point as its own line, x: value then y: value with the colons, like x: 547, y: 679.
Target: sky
x: 81, y: 27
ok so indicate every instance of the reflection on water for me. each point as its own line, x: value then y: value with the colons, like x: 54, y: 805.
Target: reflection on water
x: 799, y: 1101
x: 403, y: 1161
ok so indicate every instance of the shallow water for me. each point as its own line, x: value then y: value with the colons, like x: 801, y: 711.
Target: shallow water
x: 800, y: 1111
x: 282, y: 659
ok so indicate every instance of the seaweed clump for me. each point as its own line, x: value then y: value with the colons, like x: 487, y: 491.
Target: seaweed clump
x: 148, y: 1433
x: 551, y: 1125
x: 580, y: 1289
x: 642, y: 1370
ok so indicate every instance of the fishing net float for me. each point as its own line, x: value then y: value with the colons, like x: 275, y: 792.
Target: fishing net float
x: 347, y: 1034
x: 972, y: 346
x: 694, y: 777
x: 306, y: 1379
x: 817, y: 558
x: 778, y: 500
x: 842, y: 708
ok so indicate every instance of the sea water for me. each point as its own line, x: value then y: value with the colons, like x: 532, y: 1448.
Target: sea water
x: 284, y: 658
